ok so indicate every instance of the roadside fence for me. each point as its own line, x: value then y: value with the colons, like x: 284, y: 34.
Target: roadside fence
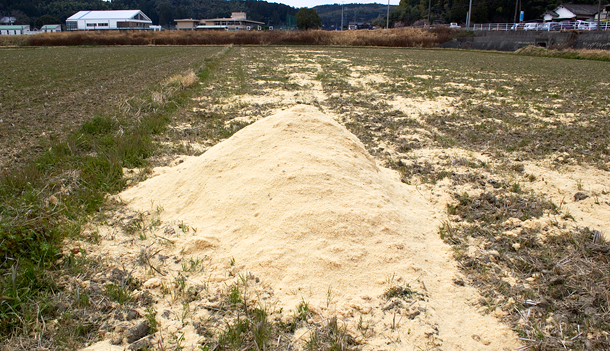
x: 548, y: 26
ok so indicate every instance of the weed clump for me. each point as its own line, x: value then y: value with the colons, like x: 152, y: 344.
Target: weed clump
x: 492, y: 209
x: 400, y: 292
x: 331, y: 337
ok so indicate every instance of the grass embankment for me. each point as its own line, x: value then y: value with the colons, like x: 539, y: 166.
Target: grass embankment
x: 582, y: 54
x: 14, y: 40
x: 407, y: 37
x: 46, y: 200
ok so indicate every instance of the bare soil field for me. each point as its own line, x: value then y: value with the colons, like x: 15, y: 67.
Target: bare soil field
x: 49, y: 91
x: 357, y: 199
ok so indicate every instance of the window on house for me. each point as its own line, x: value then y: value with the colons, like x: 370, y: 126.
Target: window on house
x: 71, y: 25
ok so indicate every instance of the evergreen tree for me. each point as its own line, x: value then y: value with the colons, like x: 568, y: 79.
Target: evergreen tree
x: 308, y: 19
x: 46, y: 19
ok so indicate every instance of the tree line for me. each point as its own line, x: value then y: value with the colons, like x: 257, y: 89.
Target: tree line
x: 163, y: 12
x: 359, y: 13
x: 417, y: 12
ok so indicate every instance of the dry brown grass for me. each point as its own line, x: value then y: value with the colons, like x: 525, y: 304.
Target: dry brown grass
x: 14, y: 40
x: 583, y: 54
x: 407, y: 37
x: 187, y: 79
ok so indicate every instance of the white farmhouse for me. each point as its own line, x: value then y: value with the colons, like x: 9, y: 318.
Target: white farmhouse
x: 102, y: 20
x: 50, y: 28
x: 14, y: 29
x: 571, y: 12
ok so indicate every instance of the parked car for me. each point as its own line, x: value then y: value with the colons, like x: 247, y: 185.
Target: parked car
x: 454, y: 25
x: 517, y: 26
x: 567, y: 25
x: 584, y: 25
x: 549, y: 26
x: 530, y: 26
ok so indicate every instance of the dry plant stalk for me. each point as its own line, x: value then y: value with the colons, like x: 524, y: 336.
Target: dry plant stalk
x: 403, y: 37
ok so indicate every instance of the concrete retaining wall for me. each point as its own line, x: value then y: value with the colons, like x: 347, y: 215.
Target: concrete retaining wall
x: 513, y: 40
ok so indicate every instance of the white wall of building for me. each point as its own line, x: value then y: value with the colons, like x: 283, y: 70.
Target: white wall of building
x: 111, y: 19
x: 18, y: 30
x: 564, y: 13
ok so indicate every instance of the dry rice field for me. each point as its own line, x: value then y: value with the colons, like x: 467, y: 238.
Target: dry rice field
x: 506, y: 156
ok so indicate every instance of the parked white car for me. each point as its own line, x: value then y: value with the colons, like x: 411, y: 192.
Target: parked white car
x: 454, y: 25
x: 517, y: 26
x: 584, y: 25
x: 530, y: 26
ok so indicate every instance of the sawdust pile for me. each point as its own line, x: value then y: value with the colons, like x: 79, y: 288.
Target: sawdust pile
x: 296, y: 200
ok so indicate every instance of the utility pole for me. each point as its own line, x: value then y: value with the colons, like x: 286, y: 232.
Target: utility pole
x: 469, y: 15
x: 599, y: 14
x: 342, y: 4
x: 516, y: 9
x: 429, y: 4
x: 387, y: 23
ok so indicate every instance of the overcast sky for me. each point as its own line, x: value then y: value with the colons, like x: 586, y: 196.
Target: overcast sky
x: 312, y: 3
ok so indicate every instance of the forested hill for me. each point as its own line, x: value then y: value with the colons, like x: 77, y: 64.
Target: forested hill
x: 483, y: 11
x: 410, y: 11
x: 160, y: 11
x: 39, y: 12
x: 331, y: 14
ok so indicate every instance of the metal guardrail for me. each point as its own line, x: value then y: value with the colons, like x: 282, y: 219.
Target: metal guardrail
x: 551, y: 26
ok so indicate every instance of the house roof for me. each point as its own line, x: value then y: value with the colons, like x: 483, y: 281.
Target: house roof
x: 552, y: 13
x: 579, y: 9
x: 50, y: 26
x: 106, y: 15
x: 230, y: 19
x: 13, y: 26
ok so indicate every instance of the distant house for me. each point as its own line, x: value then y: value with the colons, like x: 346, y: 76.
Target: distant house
x: 14, y: 29
x: 107, y: 20
x: 237, y: 21
x: 50, y: 28
x: 188, y: 23
x: 571, y: 12
x: 358, y: 25
x: 605, y: 14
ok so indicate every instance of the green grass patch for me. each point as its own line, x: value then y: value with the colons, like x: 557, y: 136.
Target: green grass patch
x: 49, y: 198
